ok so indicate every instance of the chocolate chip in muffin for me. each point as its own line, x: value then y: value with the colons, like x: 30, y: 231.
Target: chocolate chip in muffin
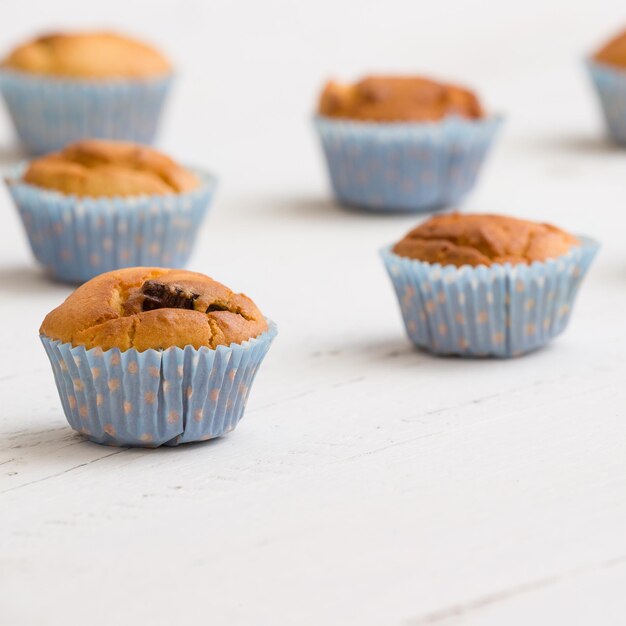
x: 216, y: 306
x: 159, y: 295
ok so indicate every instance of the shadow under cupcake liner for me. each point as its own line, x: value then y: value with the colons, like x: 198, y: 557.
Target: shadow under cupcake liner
x: 502, y: 310
x: 49, y: 113
x: 155, y: 398
x: 405, y: 166
x: 76, y: 238
x: 610, y: 84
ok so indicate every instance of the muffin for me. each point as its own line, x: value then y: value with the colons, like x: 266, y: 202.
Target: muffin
x: 402, y: 143
x: 398, y: 99
x: 486, y: 285
x: 101, y: 205
x: 97, y: 55
x: 607, y: 68
x: 64, y: 87
x: 150, y: 356
x: 475, y: 240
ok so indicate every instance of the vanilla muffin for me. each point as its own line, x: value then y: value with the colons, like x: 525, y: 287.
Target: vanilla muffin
x: 398, y: 99
x: 99, y: 168
x: 151, y: 356
x: 402, y: 143
x: 66, y: 86
x: 100, y: 205
x: 486, y: 285
x: 456, y: 239
x: 607, y: 67
x: 90, y: 55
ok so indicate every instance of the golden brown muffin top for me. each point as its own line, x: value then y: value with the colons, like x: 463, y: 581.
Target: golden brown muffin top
x: 95, y: 55
x: 462, y: 239
x: 614, y: 52
x: 397, y: 99
x: 96, y: 168
x: 148, y: 307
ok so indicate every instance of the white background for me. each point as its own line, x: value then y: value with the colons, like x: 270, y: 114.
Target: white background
x: 369, y: 483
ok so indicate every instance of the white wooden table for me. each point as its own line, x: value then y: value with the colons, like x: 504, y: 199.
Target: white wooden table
x: 368, y: 483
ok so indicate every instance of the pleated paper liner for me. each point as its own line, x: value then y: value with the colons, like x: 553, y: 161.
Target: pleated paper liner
x: 154, y: 397
x: 76, y: 238
x: 610, y: 84
x: 48, y: 113
x: 405, y: 166
x: 502, y: 310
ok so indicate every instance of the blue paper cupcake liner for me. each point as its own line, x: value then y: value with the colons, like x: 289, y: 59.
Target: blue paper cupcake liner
x: 405, y: 167
x: 502, y: 310
x: 76, y: 238
x: 48, y: 113
x: 610, y: 84
x: 155, y: 398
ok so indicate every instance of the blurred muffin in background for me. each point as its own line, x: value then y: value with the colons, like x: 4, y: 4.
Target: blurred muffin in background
x: 147, y: 356
x: 607, y: 68
x: 613, y: 52
x: 486, y: 285
x: 100, y: 205
x: 68, y: 86
x: 88, y: 55
x: 402, y: 143
x: 398, y: 99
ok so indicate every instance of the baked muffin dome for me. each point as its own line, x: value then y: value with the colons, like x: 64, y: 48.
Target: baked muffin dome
x: 144, y: 308
x: 109, y: 168
x: 397, y: 99
x: 614, y: 52
x: 95, y: 55
x: 465, y: 239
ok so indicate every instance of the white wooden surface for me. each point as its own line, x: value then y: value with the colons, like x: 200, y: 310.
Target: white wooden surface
x: 368, y: 483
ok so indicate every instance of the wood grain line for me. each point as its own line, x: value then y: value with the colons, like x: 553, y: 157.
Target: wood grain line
x: 449, y: 614
x: 67, y: 471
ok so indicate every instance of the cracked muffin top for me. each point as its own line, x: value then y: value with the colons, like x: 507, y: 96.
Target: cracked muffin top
x: 145, y: 307
x: 457, y: 239
x: 97, y: 168
x: 397, y: 99
x: 90, y: 55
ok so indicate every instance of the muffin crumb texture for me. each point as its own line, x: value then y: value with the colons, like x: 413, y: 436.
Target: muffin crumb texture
x: 109, y: 168
x: 461, y: 239
x: 95, y: 55
x: 398, y: 99
x: 153, y: 308
x: 614, y: 52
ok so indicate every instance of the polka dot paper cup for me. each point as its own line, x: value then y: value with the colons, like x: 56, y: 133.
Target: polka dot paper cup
x: 610, y: 84
x: 49, y: 113
x: 155, y: 398
x: 405, y: 166
x: 76, y: 238
x: 500, y: 311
